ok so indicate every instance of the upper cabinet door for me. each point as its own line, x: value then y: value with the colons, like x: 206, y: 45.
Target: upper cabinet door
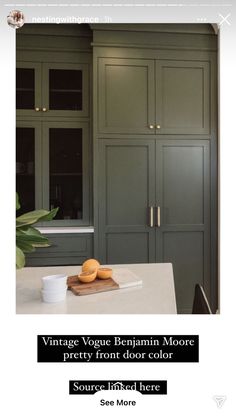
x: 28, y: 88
x: 65, y: 89
x: 28, y: 165
x: 126, y: 96
x: 65, y: 167
x: 182, y: 97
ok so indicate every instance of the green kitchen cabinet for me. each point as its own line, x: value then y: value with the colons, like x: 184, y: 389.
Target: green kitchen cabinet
x: 65, y: 249
x: 182, y: 97
x: 126, y: 94
x: 153, y: 96
x: 56, y: 89
x: 53, y: 110
x: 183, y: 202
x: 53, y: 169
x: 126, y: 192
x: 28, y: 88
x: 66, y: 170
x: 66, y: 89
x: 155, y: 88
x: 28, y: 165
x: 154, y: 206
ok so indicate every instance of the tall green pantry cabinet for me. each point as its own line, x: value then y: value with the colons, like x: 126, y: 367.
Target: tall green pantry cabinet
x: 155, y: 147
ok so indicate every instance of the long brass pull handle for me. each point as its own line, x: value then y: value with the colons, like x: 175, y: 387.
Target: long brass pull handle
x: 151, y: 221
x: 158, y: 216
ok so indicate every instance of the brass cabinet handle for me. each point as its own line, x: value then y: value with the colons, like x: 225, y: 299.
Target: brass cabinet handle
x: 158, y: 126
x: 151, y: 221
x: 151, y: 126
x: 37, y: 109
x: 44, y: 109
x: 158, y: 216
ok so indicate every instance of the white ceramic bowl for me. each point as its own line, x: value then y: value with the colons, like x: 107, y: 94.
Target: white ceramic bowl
x: 53, y: 297
x: 54, y: 282
x: 56, y: 290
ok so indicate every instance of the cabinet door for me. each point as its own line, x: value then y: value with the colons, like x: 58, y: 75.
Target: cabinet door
x: 66, y: 171
x: 28, y: 166
x: 126, y: 96
x: 183, y: 194
x: 126, y: 189
x: 28, y: 89
x: 182, y: 97
x: 65, y: 249
x: 65, y: 89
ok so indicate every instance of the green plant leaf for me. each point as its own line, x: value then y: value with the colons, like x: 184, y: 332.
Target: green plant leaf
x: 51, y: 214
x: 17, y: 201
x: 33, y: 217
x: 25, y: 246
x: 20, y: 258
x: 22, y: 223
x: 33, y: 236
x: 42, y: 244
x: 28, y: 237
x: 29, y: 231
x: 32, y: 239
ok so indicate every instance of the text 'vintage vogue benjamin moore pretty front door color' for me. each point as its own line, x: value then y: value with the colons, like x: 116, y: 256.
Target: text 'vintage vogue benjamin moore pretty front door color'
x: 155, y: 142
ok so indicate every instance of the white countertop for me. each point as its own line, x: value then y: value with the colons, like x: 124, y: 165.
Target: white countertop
x: 156, y: 295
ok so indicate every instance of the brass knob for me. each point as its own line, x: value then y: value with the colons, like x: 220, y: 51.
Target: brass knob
x: 158, y: 126
x: 151, y: 126
x: 44, y: 109
x: 37, y: 109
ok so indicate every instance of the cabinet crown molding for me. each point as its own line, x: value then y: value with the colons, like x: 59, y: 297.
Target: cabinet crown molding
x: 193, y: 28
x: 168, y: 36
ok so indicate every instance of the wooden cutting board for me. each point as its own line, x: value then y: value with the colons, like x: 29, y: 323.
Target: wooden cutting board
x: 99, y: 285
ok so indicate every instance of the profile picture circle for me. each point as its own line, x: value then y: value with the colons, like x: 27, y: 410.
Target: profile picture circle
x: 16, y: 19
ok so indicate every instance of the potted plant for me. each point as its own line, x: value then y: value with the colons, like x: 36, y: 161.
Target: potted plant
x: 28, y: 237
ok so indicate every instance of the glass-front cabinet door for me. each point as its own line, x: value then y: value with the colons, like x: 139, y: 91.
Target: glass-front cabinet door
x: 52, y: 89
x: 65, y: 89
x: 52, y: 144
x: 28, y: 168
x: 28, y: 88
x: 53, y: 169
x: 66, y: 171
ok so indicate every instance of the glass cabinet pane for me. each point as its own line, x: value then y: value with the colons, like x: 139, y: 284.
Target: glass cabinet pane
x: 25, y: 91
x: 25, y: 168
x: 65, y: 89
x: 66, y: 172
